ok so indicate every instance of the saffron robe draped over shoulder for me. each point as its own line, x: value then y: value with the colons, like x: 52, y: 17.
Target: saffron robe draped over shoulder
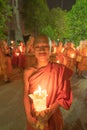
x: 55, y: 78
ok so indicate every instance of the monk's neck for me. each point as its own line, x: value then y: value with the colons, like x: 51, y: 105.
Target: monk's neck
x: 41, y: 64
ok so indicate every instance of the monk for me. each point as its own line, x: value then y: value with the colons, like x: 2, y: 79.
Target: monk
x: 82, y: 65
x: 69, y: 55
x: 5, y: 61
x: 55, y: 79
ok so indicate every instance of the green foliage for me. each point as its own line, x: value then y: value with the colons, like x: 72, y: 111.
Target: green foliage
x: 5, y: 12
x: 58, y: 22
x: 49, y: 32
x: 39, y: 19
x: 77, y: 22
x: 35, y: 15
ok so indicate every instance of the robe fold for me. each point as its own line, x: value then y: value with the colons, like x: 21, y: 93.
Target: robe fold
x: 55, y: 78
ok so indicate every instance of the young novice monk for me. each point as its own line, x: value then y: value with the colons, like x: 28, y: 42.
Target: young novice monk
x: 55, y: 79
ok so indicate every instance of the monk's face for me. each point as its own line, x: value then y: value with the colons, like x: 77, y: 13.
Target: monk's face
x: 42, y: 51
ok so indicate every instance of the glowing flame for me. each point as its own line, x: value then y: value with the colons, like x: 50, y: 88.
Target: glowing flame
x: 12, y: 47
x: 17, y: 54
x: 72, y: 55
x: 62, y: 50
x: 54, y: 50
x: 20, y: 48
x: 58, y: 61
x: 38, y: 91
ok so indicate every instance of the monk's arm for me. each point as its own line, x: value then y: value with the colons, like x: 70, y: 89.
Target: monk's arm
x: 27, y: 104
x: 64, y: 93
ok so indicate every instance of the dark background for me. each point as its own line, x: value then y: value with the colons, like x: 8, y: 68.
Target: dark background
x: 67, y: 4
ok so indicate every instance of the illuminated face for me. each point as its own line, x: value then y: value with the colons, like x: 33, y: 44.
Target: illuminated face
x: 42, y: 51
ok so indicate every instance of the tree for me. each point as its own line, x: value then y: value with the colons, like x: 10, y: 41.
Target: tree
x: 35, y: 15
x: 5, y: 12
x: 49, y: 31
x: 77, y: 22
x: 57, y: 20
x: 39, y: 19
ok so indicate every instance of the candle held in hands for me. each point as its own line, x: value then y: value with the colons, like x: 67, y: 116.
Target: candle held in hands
x: 39, y: 99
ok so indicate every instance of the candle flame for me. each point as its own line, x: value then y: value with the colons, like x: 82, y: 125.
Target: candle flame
x: 20, y: 48
x: 58, y: 61
x: 54, y: 50
x: 17, y: 54
x: 62, y: 50
x: 38, y: 90
x: 72, y: 55
x: 11, y: 47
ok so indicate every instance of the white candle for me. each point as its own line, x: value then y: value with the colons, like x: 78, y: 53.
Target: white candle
x: 39, y: 99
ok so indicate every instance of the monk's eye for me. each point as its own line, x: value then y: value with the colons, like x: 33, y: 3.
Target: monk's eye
x: 42, y: 47
x: 37, y: 48
x: 47, y: 47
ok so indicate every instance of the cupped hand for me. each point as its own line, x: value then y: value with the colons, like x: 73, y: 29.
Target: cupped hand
x: 33, y: 122
x: 43, y: 116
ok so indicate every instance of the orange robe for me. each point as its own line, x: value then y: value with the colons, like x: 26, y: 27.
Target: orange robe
x: 82, y: 65
x: 55, y: 79
x: 83, y: 62
x: 2, y: 63
x: 70, y: 58
x: 21, y: 59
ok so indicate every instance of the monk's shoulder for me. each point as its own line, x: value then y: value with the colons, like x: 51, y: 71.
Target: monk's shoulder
x: 29, y: 71
x: 58, y: 66
x: 61, y: 67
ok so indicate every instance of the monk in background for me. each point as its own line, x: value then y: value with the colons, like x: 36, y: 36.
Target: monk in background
x: 82, y: 65
x: 55, y: 79
x: 69, y: 55
x: 5, y: 61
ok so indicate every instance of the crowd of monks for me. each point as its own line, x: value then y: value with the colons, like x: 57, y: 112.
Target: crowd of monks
x: 22, y: 56
x: 73, y: 57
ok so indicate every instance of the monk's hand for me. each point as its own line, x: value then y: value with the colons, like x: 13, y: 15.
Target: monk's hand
x: 43, y: 116
x: 54, y: 107
x: 32, y: 121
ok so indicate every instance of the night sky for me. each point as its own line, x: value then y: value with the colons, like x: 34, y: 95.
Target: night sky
x: 67, y: 4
